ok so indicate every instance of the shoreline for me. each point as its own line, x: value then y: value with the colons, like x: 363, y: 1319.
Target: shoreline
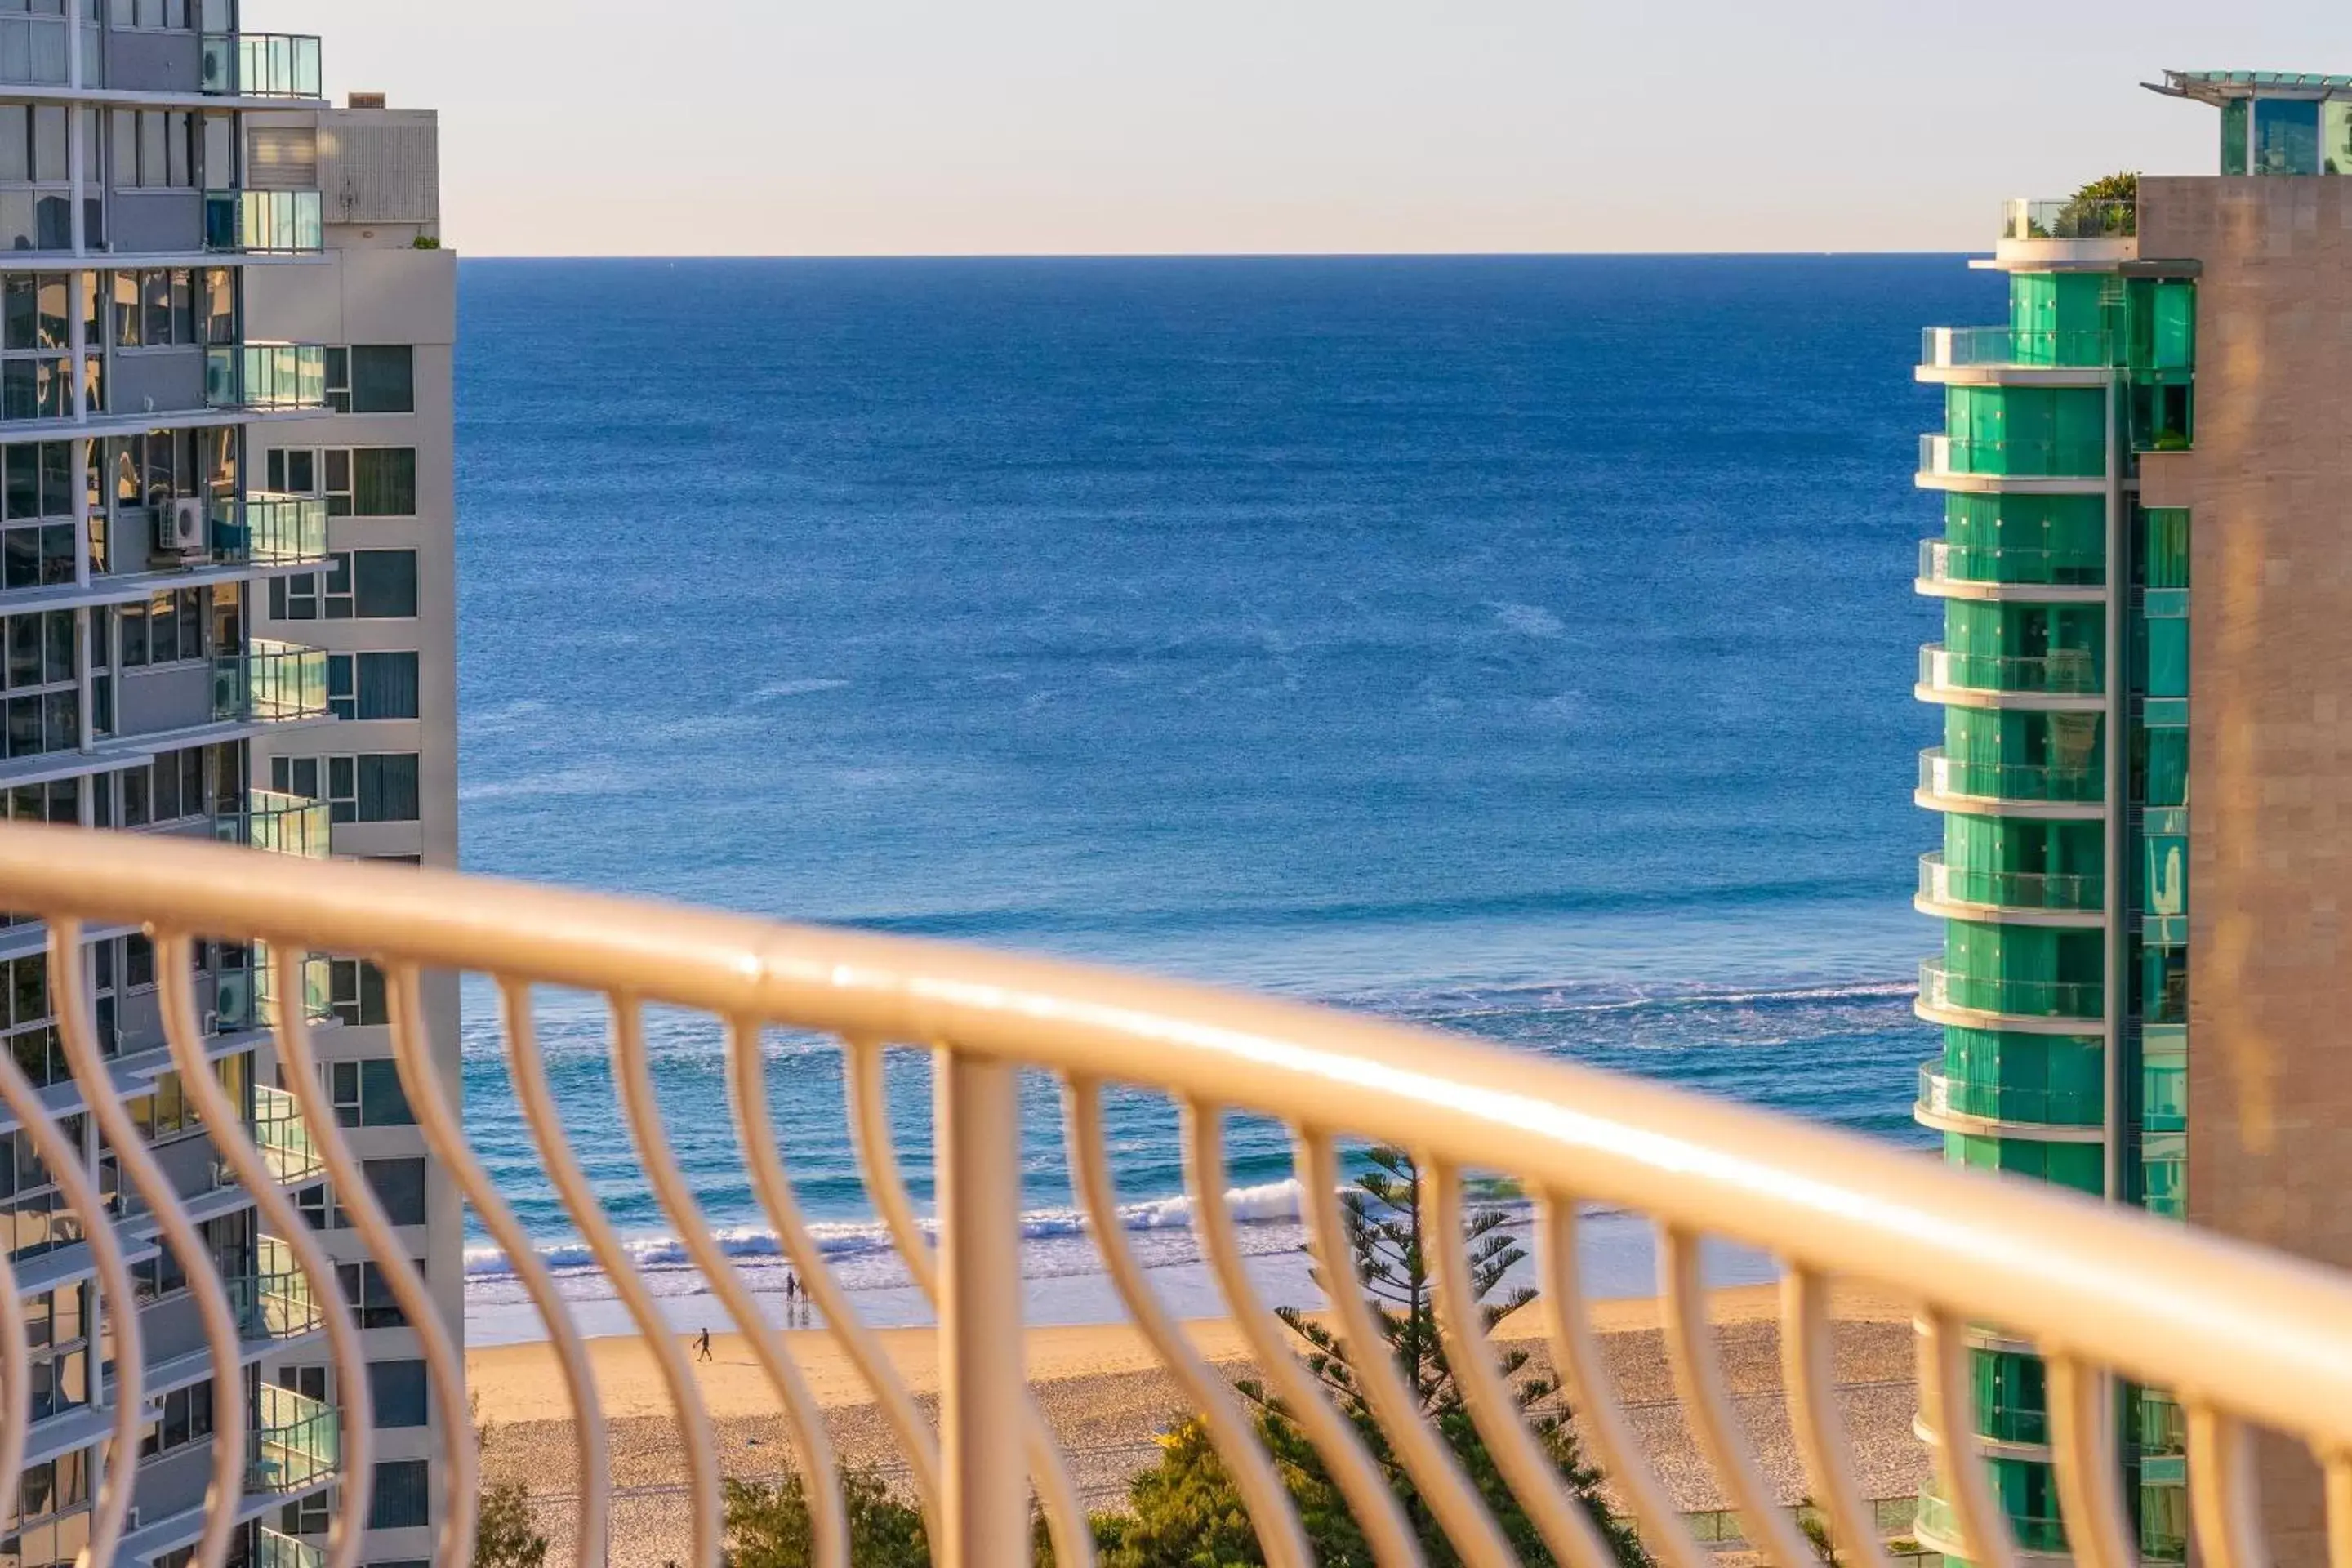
x: 1104, y: 1394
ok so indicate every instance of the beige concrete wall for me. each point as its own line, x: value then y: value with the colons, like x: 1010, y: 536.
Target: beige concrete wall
x: 2270, y: 490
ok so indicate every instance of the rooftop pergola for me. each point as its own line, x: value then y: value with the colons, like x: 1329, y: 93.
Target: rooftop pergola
x: 2219, y: 88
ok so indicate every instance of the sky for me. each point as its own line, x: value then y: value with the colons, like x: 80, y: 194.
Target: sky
x: 1036, y: 127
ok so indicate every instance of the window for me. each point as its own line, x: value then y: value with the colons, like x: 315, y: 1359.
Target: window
x: 310, y: 1516
x: 399, y: 1389
x: 400, y: 1500
x: 36, y: 549
x: 158, y: 309
x: 43, y: 708
x: 181, y: 1418
x: 384, y: 481
x: 150, y: 14
x: 359, y: 995
x: 53, y: 1487
x: 368, y: 1094
x: 36, y: 172
x: 381, y: 380
x: 35, y: 362
x: 168, y: 627
x: 154, y: 150
x: 28, y: 1014
x: 364, y: 584
x: 388, y: 787
x: 372, y: 684
x: 399, y: 1187
x: 309, y: 1382
x: 369, y: 1290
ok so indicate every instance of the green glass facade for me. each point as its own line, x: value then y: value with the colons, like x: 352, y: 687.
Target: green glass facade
x: 2062, y: 989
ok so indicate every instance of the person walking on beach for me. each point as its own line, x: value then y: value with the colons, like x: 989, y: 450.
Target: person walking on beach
x: 792, y: 1295
x: 702, y: 1346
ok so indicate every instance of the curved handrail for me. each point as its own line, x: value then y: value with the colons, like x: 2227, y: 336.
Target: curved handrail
x: 2239, y: 1336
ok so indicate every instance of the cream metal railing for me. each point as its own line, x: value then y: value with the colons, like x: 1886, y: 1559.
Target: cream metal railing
x: 2241, y: 1338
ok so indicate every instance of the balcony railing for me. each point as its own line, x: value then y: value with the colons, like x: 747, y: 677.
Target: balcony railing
x: 270, y: 683
x: 2069, y: 219
x: 2025, y: 783
x: 280, y: 823
x: 1941, y: 988
x: 263, y: 65
x: 247, y: 998
x: 267, y: 378
x: 295, y: 1444
x: 270, y: 529
x: 1941, y: 1095
x: 1941, y: 562
x: 1941, y: 883
x: 276, y: 1551
x: 283, y: 1136
x: 2063, y: 672
x: 2010, y: 348
x: 1957, y: 456
x: 2245, y: 1338
x: 265, y: 222
x: 274, y: 1302
x: 1940, y: 1524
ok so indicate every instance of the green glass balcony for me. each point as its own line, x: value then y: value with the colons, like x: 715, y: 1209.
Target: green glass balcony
x: 1940, y: 562
x: 270, y: 683
x: 2063, y: 672
x: 296, y: 1444
x: 246, y: 998
x: 1942, y: 1095
x: 276, y: 1302
x: 265, y: 222
x: 2070, y: 219
x: 284, y: 1137
x: 1953, y: 457
x: 267, y: 378
x: 276, y: 1551
x: 1940, y: 987
x: 263, y: 65
x: 1944, y: 884
x: 2023, y: 782
x: 270, y: 529
x: 2007, y: 348
x: 1937, y: 1519
x: 280, y: 823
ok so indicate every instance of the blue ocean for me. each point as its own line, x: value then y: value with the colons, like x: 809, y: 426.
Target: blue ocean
x: 1518, y: 645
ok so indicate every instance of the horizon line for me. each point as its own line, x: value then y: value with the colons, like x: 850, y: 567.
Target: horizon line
x: 1222, y: 256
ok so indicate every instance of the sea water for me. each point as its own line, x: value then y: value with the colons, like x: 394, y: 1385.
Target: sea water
x: 1518, y: 646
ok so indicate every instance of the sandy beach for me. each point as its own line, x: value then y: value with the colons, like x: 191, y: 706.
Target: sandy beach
x: 1106, y: 1397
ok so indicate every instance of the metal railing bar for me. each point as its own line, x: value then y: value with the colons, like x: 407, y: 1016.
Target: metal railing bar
x: 2083, y: 1419
x: 1809, y: 1355
x: 1947, y: 1402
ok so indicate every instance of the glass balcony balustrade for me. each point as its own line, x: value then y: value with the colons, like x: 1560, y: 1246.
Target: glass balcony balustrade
x: 263, y: 65
x: 2046, y: 1536
x: 270, y: 529
x: 280, y: 823
x: 1941, y: 1094
x: 2009, y: 348
x: 1942, y: 562
x: 1941, y: 883
x: 246, y: 998
x: 1955, y: 457
x: 272, y: 1550
x: 2071, y: 218
x: 2028, y: 784
x: 296, y: 1443
x: 265, y: 222
x: 267, y: 378
x: 1943, y: 988
x: 2061, y: 672
x: 270, y: 683
x: 275, y: 1301
x: 284, y: 1137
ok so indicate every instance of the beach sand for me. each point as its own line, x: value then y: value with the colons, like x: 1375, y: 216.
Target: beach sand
x: 1104, y: 1394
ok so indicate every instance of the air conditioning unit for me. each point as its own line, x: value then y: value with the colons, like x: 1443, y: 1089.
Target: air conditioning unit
x: 180, y: 527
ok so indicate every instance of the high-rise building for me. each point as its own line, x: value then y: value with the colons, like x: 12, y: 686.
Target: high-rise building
x: 2156, y: 425
x: 223, y: 398
x: 379, y: 456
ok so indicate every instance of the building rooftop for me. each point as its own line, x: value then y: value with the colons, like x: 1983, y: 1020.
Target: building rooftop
x: 2221, y: 87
